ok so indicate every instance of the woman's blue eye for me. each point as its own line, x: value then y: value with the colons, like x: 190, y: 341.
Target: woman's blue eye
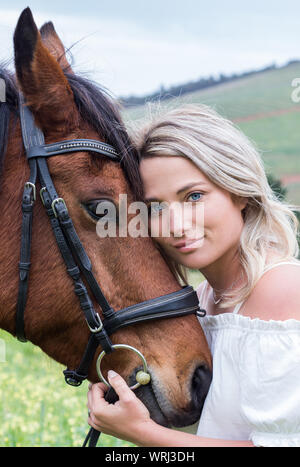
x: 156, y: 208
x: 195, y: 196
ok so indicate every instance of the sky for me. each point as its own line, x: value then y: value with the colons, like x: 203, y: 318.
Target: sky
x: 133, y: 47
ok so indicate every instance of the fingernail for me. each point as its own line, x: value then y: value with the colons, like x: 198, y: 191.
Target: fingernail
x: 112, y: 374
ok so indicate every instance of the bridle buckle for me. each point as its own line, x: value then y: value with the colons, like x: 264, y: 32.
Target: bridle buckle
x: 32, y: 186
x: 41, y: 194
x: 100, y: 324
x: 54, y: 202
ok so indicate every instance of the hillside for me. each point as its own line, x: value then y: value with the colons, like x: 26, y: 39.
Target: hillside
x: 261, y: 105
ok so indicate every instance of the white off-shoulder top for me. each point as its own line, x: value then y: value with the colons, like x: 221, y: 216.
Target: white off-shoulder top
x: 255, y: 390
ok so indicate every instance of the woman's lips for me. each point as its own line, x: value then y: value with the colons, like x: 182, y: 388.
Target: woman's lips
x: 189, y: 245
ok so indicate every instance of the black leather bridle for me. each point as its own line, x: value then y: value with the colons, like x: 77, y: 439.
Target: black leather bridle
x: 179, y: 303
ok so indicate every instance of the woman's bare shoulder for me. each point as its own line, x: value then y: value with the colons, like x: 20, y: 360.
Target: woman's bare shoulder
x: 276, y: 295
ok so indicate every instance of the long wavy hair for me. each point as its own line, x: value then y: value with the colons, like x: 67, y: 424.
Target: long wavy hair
x: 231, y: 161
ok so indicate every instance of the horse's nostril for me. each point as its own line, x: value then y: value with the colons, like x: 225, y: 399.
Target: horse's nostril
x: 200, y: 385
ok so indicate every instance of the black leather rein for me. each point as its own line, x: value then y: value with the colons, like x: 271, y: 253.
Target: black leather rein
x: 180, y: 303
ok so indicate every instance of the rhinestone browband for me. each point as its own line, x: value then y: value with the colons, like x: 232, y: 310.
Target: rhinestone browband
x: 53, y: 149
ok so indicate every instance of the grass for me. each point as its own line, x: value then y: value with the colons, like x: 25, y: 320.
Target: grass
x: 269, y: 91
x: 37, y: 407
x: 277, y: 138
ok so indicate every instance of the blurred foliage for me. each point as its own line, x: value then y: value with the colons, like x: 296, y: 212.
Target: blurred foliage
x: 37, y: 407
x: 281, y: 193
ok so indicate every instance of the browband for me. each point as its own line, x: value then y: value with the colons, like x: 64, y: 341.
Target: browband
x: 35, y: 146
x: 72, y: 145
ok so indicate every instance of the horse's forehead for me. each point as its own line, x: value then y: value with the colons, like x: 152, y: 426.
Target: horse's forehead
x: 111, y: 170
x: 84, y: 174
x: 112, y: 175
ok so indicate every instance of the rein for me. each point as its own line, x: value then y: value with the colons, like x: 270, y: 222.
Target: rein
x: 179, y: 303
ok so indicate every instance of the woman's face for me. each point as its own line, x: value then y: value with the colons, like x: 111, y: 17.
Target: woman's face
x: 198, y: 222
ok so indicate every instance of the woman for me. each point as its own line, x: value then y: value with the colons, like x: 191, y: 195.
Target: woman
x: 246, y: 249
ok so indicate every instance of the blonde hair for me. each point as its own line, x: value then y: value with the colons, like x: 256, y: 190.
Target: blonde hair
x: 227, y: 157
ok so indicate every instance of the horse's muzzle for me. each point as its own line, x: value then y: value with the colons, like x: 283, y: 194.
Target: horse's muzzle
x: 164, y: 413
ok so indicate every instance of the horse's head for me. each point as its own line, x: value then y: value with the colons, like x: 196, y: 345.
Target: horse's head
x: 129, y: 270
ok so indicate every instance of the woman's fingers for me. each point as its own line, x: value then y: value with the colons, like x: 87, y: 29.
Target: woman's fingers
x: 120, y: 386
x: 96, y: 397
x: 121, y: 419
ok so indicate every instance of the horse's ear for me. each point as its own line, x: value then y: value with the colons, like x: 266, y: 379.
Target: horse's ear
x: 41, y: 79
x: 55, y: 46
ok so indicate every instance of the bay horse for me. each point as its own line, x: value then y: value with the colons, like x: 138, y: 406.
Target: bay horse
x: 130, y: 270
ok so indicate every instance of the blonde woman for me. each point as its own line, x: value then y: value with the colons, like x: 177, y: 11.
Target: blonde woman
x: 246, y: 250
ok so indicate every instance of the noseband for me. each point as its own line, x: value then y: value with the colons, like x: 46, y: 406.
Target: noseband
x: 179, y: 303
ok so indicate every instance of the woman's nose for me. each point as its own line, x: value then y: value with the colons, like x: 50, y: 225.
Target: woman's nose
x: 186, y: 220
x: 180, y: 220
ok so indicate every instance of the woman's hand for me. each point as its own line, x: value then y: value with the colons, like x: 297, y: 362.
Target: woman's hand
x: 127, y: 419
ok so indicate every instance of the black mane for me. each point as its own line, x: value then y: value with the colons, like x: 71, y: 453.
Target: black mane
x: 95, y: 107
x: 7, y: 108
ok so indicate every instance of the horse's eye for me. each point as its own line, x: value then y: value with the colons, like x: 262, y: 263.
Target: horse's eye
x: 99, y: 209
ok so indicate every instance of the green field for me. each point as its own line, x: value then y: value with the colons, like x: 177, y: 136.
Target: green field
x: 262, y: 107
x: 37, y: 408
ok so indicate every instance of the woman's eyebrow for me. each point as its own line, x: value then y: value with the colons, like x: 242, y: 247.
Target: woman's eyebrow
x: 190, y: 185
x: 186, y: 187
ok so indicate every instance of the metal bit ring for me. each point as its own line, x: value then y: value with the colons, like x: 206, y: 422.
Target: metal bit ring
x: 126, y: 347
